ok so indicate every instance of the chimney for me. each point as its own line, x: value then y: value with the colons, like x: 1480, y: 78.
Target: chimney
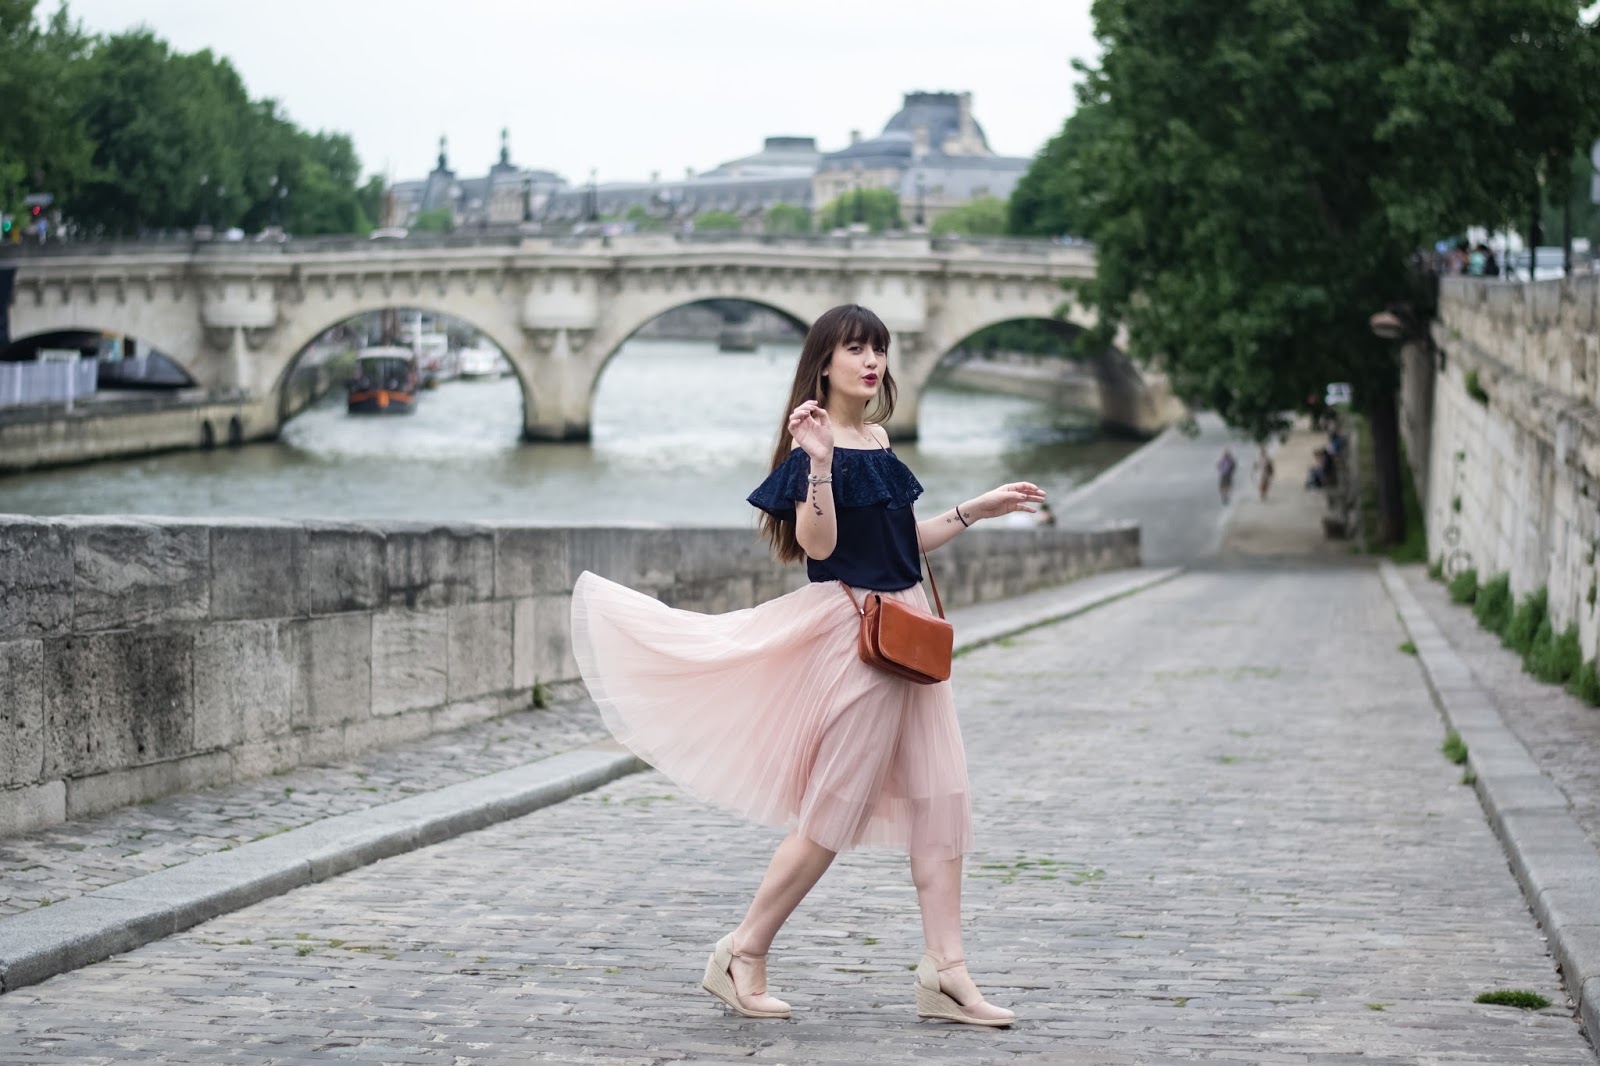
x: 655, y: 176
x: 688, y: 173
x: 855, y: 136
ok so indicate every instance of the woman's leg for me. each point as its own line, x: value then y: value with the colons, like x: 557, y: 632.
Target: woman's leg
x: 938, y: 884
x: 796, y: 867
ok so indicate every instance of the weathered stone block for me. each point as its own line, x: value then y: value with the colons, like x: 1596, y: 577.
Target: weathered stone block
x: 345, y: 568
x: 243, y: 682
x: 256, y: 568
x: 21, y: 713
x: 118, y: 788
x: 480, y: 649
x: 31, y: 807
x: 438, y: 566
x: 35, y: 578
x: 524, y: 645
x: 117, y: 699
x: 333, y: 684
x: 619, y: 554
x: 129, y: 573
x: 530, y: 561
x: 410, y: 660
x: 552, y: 621
x: 385, y: 731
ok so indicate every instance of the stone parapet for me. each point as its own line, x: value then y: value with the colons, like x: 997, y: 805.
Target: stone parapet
x: 1511, y: 474
x: 141, y: 656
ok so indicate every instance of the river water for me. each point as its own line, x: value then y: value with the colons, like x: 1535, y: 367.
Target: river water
x: 681, y: 433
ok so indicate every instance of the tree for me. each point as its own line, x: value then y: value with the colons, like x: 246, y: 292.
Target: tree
x: 43, y: 145
x: 641, y: 218
x: 982, y: 216
x: 439, y: 220
x: 878, y: 209
x: 1049, y: 200
x: 1260, y: 175
x: 788, y: 220
x: 717, y: 220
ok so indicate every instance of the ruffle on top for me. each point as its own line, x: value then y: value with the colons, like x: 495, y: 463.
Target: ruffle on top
x: 861, y: 478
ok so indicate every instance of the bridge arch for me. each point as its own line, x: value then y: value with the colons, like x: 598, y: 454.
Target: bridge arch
x: 302, y: 341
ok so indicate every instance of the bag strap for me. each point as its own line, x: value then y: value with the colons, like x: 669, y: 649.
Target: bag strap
x: 927, y: 567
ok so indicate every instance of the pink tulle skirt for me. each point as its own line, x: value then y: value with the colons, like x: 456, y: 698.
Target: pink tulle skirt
x: 769, y: 713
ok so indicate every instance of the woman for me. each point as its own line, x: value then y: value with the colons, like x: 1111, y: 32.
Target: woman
x: 771, y: 713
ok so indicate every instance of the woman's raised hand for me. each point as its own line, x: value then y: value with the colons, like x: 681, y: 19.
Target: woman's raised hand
x: 1017, y: 496
x: 811, y: 430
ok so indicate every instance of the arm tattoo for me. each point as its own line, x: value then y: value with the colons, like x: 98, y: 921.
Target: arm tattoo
x: 815, y: 506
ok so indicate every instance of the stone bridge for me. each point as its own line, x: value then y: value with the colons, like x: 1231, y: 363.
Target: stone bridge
x: 237, y: 316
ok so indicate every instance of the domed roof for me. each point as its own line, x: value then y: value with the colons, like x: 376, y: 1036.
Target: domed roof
x: 939, y: 112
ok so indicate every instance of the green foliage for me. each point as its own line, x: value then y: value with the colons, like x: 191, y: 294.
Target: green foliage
x: 43, y: 145
x: 439, y: 220
x: 1493, y: 605
x: 878, y: 209
x: 1524, y: 626
x: 1475, y: 388
x: 717, y: 220
x: 1454, y: 748
x: 788, y: 220
x: 1031, y: 335
x: 1436, y: 569
x: 1553, y: 658
x: 641, y: 219
x: 1407, y: 648
x: 1510, y: 997
x: 1464, y: 586
x: 1046, y: 201
x: 1260, y: 176
x: 130, y: 135
x: 983, y: 216
x: 1585, y: 684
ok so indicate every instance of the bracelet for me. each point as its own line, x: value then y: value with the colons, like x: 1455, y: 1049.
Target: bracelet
x: 964, y: 523
x: 820, y: 479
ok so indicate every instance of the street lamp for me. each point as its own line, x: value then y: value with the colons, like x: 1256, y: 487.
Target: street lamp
x: 594, y: 198
x: 272, y: 200
x: 527, y: 199
x: 920, y: 189
x: 205, y: 217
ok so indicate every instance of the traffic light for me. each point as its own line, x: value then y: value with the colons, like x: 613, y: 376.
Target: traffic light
x: 36, y: 210
x: 5, y: 225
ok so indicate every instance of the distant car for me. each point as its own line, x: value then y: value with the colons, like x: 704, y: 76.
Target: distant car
x: 1547, y: 264
x: 388, y: 233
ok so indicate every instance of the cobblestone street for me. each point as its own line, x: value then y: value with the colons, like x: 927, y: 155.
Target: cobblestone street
x: 1213, y: 820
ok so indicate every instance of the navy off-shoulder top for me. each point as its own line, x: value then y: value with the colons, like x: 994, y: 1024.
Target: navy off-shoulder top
x: 872, y: 493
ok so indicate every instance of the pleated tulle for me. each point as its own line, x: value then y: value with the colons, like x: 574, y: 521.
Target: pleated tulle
x: 769, y: 713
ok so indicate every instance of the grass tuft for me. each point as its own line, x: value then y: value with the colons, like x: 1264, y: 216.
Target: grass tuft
x: 1525, y: 621
x: 1408, y: 648
x: 1454, y: 748
x: 1514, y: 997
x: 1552, y: 658
x: 1494, y: 606
x: 1464, y: 586
x: 1585, y: 684
x: 1475, y: 388
x: 1436, y: 569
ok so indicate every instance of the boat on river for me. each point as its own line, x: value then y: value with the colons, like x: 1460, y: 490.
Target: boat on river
x: 383, y: 381
x: 480, y: 362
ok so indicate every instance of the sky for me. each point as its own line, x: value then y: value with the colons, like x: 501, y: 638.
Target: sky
x: 625, y: 87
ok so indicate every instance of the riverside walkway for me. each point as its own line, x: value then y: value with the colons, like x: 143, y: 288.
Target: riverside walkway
x: 1213, y: 825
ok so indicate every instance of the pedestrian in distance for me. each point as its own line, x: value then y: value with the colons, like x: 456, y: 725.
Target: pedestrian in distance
x: 1226, y: 465
x: 1262, y: 471
x: 770, y: 711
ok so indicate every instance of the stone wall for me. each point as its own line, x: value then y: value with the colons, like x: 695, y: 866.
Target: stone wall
x: 144, y: 656
x: 1513, y: 475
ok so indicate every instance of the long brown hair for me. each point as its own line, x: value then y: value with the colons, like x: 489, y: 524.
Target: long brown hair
x: 849, y: 323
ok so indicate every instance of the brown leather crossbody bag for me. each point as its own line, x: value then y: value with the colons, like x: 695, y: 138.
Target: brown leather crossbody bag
x: 902, y: 639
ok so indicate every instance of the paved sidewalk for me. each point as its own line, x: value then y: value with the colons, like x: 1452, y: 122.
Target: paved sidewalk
x: 94, y: 894
x: 1203, y: 838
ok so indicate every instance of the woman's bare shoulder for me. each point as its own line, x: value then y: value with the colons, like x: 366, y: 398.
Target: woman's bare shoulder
x: 879, y: 434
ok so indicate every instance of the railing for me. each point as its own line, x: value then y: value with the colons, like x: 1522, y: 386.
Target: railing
x: 513, y: 238
x: 33, y: 382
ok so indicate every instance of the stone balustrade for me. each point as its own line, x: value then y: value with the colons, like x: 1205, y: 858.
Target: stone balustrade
x: 141, y: 656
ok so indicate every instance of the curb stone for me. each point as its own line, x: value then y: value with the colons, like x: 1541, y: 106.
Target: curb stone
x: 1553, y: 861
x: 38, y: 944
